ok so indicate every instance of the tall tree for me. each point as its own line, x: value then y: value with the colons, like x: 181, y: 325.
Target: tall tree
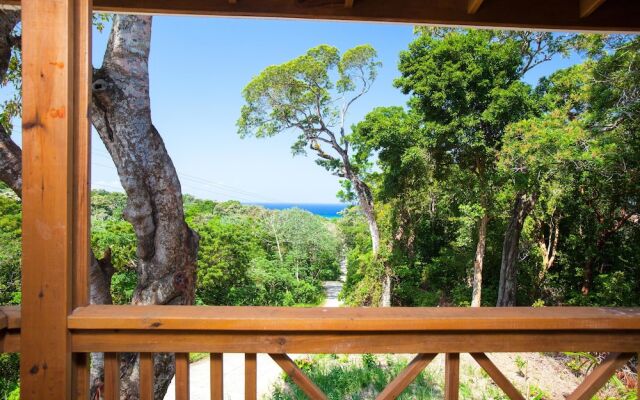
x: 467, y: 86
x: 312, y: 95
x: 166, y: 247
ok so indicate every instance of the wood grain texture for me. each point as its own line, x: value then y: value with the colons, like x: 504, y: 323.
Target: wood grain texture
x: 452, y: 376
x: 492, y: 370
x: 587, y: 7
x: 216, y: 373
x: 146, y: 376
x: 48, y: 123
x: 111, y: 376
x: 406, y: 377
x: 250, y: 376
x: 200, y: 318
x: 182, y: 376
x: 473, y: 6
x: 615, y: 16
x: 82, y: 75
x: 351, y: 343
x: 600, y: 375
x: 304, y: 383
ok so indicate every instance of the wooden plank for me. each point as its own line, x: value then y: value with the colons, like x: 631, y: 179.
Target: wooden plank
x: 507, y: 387
x: 600, y: 375
x: 216, y: 372
x: 452, y: 376
x: 82, y: 77
x: 4, y: 320
x: 48, y: 123
x: 111, y: 376
x: 352, y: 343
x: 353, y: 319
x: 146, y: 376
x: 250, y: 376
x: 587, y: 7
x: 308, y: 387
x: 348, y: 3
x: 473, y: 6
x: 618, y: 16
x: 406, y: 377
x: 182, y: 376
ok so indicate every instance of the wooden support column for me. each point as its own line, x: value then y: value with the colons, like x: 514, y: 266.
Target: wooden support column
x: 55, y: 105
x: 81, y: 168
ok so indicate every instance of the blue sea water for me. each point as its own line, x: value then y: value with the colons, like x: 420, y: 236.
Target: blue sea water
x: 323, y: 210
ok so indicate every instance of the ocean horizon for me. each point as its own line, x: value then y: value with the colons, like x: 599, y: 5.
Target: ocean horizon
x: 326, y: 210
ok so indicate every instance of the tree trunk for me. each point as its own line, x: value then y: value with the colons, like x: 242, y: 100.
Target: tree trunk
x: 548, y: 248
x: 365, y: 199
x: 479, y: 260
x: 166, y: 246
x: 510, y: 248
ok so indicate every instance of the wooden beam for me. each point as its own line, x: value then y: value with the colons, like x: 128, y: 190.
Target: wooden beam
x: 452, y: 376
x: 50, y: 117
x: 473, y: 6
x: 497, y: 376
x: 348, y: 3
x: 308, y: 387
x: 406, y: 377
x: 350, y: 342
x: 619, y: 16
x: 600, y: 375
x: 83, y: 75
x: 395, y: 319
x: 587, y: 7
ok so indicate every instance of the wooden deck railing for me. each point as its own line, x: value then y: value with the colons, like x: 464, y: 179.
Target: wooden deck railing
x: 278, y: 331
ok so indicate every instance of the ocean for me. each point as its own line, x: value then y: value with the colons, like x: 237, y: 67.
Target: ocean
x: 323, y: 210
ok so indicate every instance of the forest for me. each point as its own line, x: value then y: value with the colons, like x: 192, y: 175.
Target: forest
x: 484, y: 190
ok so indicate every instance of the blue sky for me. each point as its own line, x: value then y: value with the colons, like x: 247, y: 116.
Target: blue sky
x: 198, y: 69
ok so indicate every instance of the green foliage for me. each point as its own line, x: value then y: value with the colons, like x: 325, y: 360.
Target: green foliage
x: 9, y: 374
x: 343, y: 377
x: 10, y: 247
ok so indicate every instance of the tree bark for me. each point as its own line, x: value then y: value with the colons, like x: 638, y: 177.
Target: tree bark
x: 510, y: 248
x: 478, y: 261
x: 548, y: 247
x: 166, y: 246
x: 365, y: 199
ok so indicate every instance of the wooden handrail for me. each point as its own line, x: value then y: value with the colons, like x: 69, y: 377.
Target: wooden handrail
x: 205, y: 318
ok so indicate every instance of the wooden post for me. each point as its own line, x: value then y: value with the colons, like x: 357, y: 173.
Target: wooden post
x: 250, y: 376
x: 83, y: 22
x: 216, y: 373
x: 54, y: 111
x: 451, y: 376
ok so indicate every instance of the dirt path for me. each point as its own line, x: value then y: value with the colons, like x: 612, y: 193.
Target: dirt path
x: 233, y: 375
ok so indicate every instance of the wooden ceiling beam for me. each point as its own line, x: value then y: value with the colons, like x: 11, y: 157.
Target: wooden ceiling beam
x: 618, y: 16
x: 587, y: 7
x: 473, y: 6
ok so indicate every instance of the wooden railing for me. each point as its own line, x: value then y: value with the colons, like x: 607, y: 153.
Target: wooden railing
x: 278, y: 331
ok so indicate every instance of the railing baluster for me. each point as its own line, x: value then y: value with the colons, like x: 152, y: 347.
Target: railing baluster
x: 451, y: 376
x: 250, y: 376
x: 182, y: 376
x: 111, y: 376
x: 217, y: 368
x: 146, y: 376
